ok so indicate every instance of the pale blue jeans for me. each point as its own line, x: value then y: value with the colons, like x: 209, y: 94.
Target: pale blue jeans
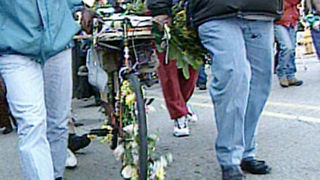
x: 286, y: 39
x: 40, y: 99
x: 242, y: 54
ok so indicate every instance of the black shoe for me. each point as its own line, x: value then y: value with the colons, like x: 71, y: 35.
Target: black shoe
x: 60, y: 178
x: 255, y: 167
x: 232, y: 173
x: 8, y: 129
x: 78, y: 142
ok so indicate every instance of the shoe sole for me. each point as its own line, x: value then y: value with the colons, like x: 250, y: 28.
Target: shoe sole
x: 181, y: 135
x: 184, y: 134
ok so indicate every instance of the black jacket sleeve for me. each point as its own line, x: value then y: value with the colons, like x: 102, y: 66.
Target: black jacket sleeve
x: 159, y: 7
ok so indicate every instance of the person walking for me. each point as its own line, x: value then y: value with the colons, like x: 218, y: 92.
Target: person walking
x: 35, y: 63
x: 177, y: 90
x: 313, y: 7
x: 239, y: 36
x: 285, y: 31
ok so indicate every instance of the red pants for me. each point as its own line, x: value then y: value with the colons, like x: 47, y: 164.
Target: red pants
x: 176, y: 89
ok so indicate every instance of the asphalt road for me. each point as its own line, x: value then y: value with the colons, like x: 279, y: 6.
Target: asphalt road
x: 289, y: 137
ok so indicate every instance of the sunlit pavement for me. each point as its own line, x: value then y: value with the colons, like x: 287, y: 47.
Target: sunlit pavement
x: 289, y: 136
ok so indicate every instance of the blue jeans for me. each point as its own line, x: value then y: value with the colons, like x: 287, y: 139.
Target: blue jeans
x: 40, y: 99
x: 242, y: 69
x: 202, y: 77
x: 316, y: 40
x: 286, y: 39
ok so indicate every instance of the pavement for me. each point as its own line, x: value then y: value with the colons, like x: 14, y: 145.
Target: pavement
x: 289, y: 136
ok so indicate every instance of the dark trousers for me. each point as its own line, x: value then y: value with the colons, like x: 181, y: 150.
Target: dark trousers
x: 176, y: 89
x: 316, y: 41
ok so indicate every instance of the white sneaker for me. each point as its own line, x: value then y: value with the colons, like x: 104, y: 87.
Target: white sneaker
x: 181, y: 127
x: 71, y: 161
x: 191, y: 116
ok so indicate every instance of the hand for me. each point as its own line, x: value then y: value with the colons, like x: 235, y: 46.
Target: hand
x: 87, y: 19
x: 162, y: 20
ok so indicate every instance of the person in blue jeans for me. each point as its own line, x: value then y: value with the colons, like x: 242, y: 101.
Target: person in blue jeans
x: 35, y: 63
x: 240, y: 42
x: 285, y: 31
x: 202, y: 78
x: 313, y: 6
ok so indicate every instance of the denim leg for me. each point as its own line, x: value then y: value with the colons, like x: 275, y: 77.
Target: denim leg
x: 24, y: 82
x: 316, y: 40
x: 292, y: 69
x: 58, y: 92
x: 259, y: 44
x: 202, y: 77
x: 230, y: 87
x: 286, y: 50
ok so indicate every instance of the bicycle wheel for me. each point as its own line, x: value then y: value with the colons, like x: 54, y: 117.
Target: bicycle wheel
x: 142, y: 125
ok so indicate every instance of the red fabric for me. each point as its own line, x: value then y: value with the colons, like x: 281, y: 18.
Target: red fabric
x: 291, y: 14
x: 176, y: 89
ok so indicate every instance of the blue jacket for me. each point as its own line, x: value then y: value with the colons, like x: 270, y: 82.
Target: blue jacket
x: 38, y: 29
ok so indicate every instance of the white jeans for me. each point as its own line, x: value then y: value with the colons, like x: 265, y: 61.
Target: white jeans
x: 40, y: 99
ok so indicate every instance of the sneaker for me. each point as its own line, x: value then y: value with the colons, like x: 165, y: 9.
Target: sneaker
x: 295, y: 82
x: 284, y: 82
x: 191, y: 116
x: 181, y: 127
x: 232, y: 173
x: 71, y: 161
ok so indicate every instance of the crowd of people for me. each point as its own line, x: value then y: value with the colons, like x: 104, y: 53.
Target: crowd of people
x: 36, y: 67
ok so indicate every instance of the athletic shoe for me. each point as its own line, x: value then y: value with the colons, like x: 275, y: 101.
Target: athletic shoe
x: 191, y: 116
x: 181, y: 127
x: 71, y: 161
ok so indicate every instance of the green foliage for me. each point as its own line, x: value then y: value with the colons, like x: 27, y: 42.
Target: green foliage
x: 184, y: 45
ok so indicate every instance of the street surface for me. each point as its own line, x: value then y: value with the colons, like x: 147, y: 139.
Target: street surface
x: 289, y: 137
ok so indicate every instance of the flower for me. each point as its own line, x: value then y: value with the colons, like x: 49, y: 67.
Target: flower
x: 118, y: 152
x: 160, y: 175
x: 130, y: 128
x: 129, y: 172
x: 169, y: 157
x: 163, y: 162
x: 130, y: 99
x: 90, y: 3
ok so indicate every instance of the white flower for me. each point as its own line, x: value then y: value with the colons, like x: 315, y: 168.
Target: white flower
x: 130, y: 128
x: 169, y: 158
x: 118, y: 152
x: 129, y: 172
x: 90, y: 3
x: 163, y: 162
x: 154, y: 137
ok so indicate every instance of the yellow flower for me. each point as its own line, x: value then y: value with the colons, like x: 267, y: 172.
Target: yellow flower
x: 160, y: 174
x: 130, y: 99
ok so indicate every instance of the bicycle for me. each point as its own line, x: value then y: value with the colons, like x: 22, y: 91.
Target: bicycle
x: 123, y: 47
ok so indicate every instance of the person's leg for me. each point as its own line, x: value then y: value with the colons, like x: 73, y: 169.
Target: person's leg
x: 292, y: 69
x: 25, y: 94
x: 286, y: 49
x: 202, y: 78
x: 187, y: 85
x: 259, y: 44
x: 316, y: 40
x: 229, y: 88
x: 169, y: 80
x: 58, y: 92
